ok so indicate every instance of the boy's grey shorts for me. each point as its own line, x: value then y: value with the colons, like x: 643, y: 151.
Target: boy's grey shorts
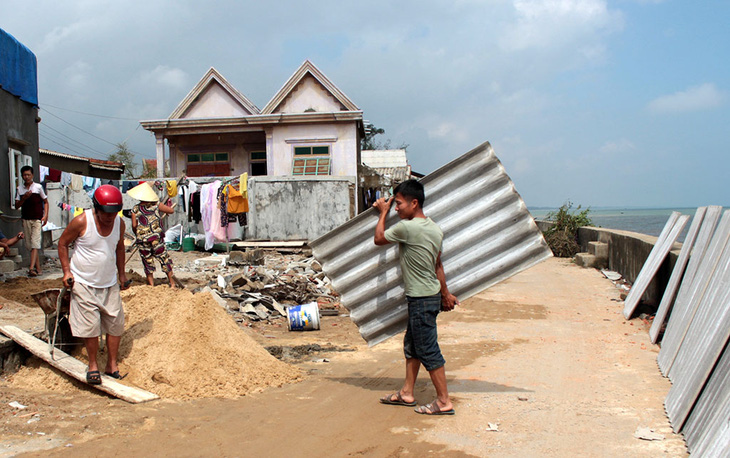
x: 421, y: 339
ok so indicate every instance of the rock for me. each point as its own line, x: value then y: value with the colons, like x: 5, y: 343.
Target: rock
x: 316, y: 266
x: 7, y: 265
x: 239, y: 280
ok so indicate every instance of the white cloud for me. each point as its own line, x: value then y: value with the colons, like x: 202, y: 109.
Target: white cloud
x: 557, y: 23
x: 696, y: 98
x: 77, y: 76
x: 449, y: 131
x: 165, y: 76
x: 618, y: 146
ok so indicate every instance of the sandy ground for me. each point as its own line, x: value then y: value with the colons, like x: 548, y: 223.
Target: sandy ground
x: 545, y: 358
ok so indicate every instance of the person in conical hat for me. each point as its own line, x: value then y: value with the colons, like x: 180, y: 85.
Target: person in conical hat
x: 147, y: 226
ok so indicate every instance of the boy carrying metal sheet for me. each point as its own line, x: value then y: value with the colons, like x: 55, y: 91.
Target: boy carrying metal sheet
x: 419, y: 240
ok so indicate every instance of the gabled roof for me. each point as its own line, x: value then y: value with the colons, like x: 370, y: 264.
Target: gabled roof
x: 308, y: 68
x: 212, y: 76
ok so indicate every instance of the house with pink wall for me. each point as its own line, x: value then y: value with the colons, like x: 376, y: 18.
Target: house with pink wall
x: 308, y: 128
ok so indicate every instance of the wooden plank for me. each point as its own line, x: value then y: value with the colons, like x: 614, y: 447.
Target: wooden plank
x: 75, y: 368
x: 664, y: 244
x: 670, y: 291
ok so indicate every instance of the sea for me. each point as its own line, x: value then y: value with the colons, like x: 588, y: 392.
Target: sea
x: 648, y: 221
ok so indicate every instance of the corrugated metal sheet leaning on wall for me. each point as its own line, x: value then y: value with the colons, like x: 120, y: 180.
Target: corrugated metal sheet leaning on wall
x: 489, y: 235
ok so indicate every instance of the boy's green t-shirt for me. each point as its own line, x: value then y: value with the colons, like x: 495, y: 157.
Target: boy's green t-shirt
x: 420, y: 241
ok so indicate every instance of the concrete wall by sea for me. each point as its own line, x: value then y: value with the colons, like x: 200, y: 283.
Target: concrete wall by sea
x: 627, y: 253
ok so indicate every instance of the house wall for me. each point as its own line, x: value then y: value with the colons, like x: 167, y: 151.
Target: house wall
x: 18, y: 130
x: 239, y: 146
x: 342, y: 138
x: 215, y: 102
x: 309, y: 95
x: 64, y: 164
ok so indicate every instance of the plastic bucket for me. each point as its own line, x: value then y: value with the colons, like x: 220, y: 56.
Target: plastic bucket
x: 188, y: 244
x: 303, y: 317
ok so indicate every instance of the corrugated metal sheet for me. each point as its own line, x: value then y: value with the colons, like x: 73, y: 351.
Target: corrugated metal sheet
x: 664, y: 243
x: 704, y: 340
x: 693, y: 289
x: 707, y: 431
x: 489, y: 235
x: 677, y: 274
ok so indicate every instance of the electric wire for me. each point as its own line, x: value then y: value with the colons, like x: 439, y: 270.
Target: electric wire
x: 88, y: 114
x: 134, y: 153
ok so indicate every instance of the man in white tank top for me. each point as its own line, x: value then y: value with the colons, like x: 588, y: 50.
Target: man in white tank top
x: 95, y: 274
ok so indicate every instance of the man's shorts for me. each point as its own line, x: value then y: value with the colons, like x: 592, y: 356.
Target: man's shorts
x: 421, y: 339
x: 96, y: 311
x: 32, y: 233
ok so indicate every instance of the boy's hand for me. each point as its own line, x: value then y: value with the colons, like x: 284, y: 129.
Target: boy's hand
x: 448, y: 302
x: 383, y: 205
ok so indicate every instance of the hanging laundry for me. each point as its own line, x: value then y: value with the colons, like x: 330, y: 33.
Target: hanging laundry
x: 208, y: 207
x: 77, y: 182
x: 171, y: 186
x: 127, y: 185
x: 54, y: 175
x: 78, y: 211
x: 43, y: 172
x: 65, y: 179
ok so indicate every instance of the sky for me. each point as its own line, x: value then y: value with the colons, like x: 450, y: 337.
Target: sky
x: 601, y: 103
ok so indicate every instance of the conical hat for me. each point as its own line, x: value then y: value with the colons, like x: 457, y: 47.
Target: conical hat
x: 144, y: 193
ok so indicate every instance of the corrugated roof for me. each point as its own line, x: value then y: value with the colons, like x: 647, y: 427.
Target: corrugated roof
x: 384, y: 158
x: 489, y: 235
x: 96, y: 163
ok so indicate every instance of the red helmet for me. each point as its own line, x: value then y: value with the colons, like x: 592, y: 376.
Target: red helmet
x: 108, y: 199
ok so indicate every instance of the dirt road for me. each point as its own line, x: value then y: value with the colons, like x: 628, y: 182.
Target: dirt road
x: 545, y: 358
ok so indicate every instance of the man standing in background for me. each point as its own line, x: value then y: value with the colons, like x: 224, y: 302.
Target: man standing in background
x: 33, y: 204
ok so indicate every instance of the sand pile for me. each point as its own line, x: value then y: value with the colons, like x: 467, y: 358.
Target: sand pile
x: 19, y: 289
x: 36, y: 375
x: 178, y: 345
x: 182, y: 345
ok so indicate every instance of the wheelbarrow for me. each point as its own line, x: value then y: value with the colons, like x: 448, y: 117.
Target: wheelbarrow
x: 56, y: 303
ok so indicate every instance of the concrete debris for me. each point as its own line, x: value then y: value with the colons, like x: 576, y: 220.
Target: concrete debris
x: 647, y: 434
x: 611, y: 275
x: 17, y: 405
x: 261, y: 292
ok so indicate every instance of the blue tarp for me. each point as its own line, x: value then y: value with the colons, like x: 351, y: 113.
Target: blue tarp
x: 18, y: 69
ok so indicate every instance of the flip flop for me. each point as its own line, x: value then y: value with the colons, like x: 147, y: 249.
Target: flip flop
x: 32, y: 273
x: 433, y: 409
x: 93, y: 378
x: 115, y: 375
x: 398, y: 400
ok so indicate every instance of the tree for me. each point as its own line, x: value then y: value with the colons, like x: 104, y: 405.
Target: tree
x: 368, y: 141
x: 126, y: 157
x: 149, y: 168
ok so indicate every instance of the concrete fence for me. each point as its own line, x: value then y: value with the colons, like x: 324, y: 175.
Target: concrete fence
x: 281, y: 208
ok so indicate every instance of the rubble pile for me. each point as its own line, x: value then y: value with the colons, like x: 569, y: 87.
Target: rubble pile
x: 255, y: 293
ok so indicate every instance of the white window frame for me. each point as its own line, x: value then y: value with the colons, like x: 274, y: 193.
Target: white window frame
x: 16, y: 161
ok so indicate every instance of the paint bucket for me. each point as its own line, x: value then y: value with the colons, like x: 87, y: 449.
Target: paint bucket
x: 188, y: 244
x: 303, y: 317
